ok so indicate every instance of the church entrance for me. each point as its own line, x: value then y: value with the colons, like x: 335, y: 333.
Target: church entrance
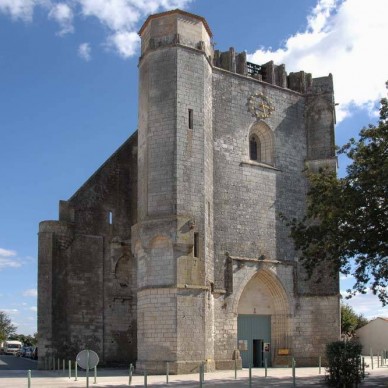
x: 254, y: 338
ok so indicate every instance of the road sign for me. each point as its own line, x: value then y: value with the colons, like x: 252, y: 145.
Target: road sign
x: 87, y: 355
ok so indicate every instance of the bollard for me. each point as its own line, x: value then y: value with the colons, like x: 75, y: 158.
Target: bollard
x: 320, y: 364
x: 293, y: 372
x: 95, y: 375
x: 265, y: 365
x: 59, y: 365
x: 45, y: 363
x: 29, y: 378
x: 167, y: 371
x: 250, y: 375
x: 53, y: 363
x: 75, y: 370
x: 235, y: 369
x: 145, y: 378
x: 203, y: 372
x: 378, y: 360
x: 200, y: 375
x: 130, y: 374
x: 363, y: 366
x: 69, y: 369
x: 371, y: 360
x: 64, y: 367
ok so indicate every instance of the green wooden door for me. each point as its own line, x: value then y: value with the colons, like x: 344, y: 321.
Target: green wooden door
x: 254, y: 328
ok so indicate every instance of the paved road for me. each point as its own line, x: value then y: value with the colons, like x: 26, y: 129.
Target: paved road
x: 8, y: 362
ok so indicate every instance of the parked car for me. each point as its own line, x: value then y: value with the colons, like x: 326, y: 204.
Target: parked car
x: 28, y: 353
x: 21, y: 352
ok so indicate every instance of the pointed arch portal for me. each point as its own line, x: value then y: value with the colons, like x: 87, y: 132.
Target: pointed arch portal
x: 262, y: 320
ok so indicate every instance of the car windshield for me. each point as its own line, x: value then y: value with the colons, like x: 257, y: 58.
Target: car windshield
x: 13, y: 346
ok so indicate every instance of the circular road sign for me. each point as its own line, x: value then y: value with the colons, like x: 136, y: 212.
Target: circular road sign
x: 84, y: 355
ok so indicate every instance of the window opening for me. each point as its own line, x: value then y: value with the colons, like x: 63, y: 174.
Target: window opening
x: 253, y: 148
x: 190, y: 119
x: 196, y: 244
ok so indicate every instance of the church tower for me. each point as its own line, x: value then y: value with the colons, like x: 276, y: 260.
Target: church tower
x: 172, y: 241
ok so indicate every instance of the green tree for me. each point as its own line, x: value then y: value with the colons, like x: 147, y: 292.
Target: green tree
x: 350, y: 320
x: 6, y: 327
x: 346, y: 223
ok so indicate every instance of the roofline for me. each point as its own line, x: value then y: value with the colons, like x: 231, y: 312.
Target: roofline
x: 184, y: 13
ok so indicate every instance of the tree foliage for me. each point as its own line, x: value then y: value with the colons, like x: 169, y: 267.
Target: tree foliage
x: 345, y: 366
x: 350, y: 320
x: 6, y: 327
x: 346, y: 224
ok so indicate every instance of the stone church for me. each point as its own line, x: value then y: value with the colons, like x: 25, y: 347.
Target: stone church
x: 173, y: 250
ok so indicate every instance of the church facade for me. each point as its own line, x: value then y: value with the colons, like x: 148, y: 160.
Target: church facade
x: 173, y: 250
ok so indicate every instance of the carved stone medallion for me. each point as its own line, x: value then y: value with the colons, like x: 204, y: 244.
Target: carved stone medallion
x: 260, y: 106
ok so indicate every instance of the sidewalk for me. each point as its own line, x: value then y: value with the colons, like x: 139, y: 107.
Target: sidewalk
x: 277, y: 377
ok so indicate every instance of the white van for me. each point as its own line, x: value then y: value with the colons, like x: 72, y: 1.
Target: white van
x: 12, y: 347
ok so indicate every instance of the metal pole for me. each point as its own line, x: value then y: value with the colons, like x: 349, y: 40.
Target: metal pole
x: 378, y: 360
x: 145, y: 378
x: 293, y: 372
x: 371, y: 358
x: 250, y: 375
x: 59, y: 365
x: 29, y: 378
x: 87, y: 368
x: 320, y: 364
x: 53, y: 363
x: 45, y: 363
x: 200, y: 375
x: 167, y: 371
x: 203, y: 372
x: 64, y: 367
x: 69, y: 369
x: 235, y: 369
x: 265, y: 365
x: 130, y: 374
x: 75, y: 370
x: 95, y: 374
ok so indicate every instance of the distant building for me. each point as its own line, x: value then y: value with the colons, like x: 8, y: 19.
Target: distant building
x: 374, y: 335
x: 173, y: 250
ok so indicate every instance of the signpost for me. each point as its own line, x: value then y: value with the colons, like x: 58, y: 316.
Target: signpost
x: 87, y: 359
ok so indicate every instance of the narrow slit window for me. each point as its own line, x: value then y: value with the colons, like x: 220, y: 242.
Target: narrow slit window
x: 110, y: 218
x: 190, y: 119
x: 196, y: 245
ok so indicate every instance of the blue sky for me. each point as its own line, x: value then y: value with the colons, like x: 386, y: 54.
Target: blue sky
x: 68, y: 97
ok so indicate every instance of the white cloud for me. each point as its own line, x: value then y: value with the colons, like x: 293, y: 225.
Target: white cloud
x: 126, y: 43
x: 33, y: 308
x: 8, y: 259
x: 367, y: 304
x: 121, y: 18
x: 63, y: 15
x: 10, y: 311
x: 343, y: 38
x: 21, y: 9
x: 31, y: 292
x: 84, y: 51
x: 7, y: 253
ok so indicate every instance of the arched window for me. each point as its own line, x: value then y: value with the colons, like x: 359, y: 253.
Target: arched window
x: 261, y: 144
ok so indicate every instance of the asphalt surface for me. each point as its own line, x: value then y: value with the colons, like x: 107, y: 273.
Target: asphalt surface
x: 9, y: 362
